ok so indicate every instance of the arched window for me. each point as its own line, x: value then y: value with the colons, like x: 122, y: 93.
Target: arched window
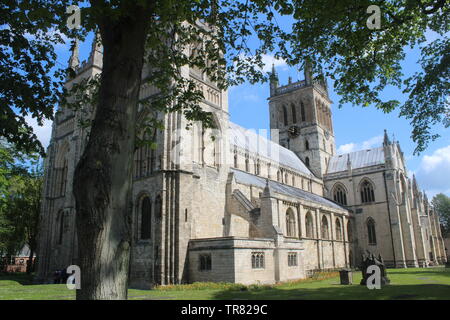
x: 278, y: 176
x: 146, y: 218
x: 367, y: 193
x: 236, y: 161
x: 294, y: 113
x: 338, y: 228
x: 247, y: 165
x: 307, y: 162
x: 325, y: 232
x: 339, y: 195
x: 290, y: 223
x: 60, y: 171
x: 302, y: 110
x: 258, y: 167
x: 349, y: 231
x: 61, y: 227
x: 306, y: 145
x: 309, y: 224
x: 371, y: 231
x: 285, y: 116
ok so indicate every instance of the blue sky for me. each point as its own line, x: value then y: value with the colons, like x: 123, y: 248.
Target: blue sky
x: 355, y: 128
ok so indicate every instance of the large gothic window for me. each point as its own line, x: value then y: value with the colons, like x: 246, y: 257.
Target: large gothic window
x: 338, y: 228
x: 325, y: 228
x: 285, y: 116
x: 144, y: 157
x: 367, y: 193
x: 60, y: 172
x: 371, y: 231
x: 294, y: 113
x: 339, y: 195
x: 146, y: 218
x: 309, y: 225
x: 290, y: 223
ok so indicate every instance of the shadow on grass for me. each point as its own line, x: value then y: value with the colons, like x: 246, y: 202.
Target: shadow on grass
x: 22, y: 278
x: 338, y: 292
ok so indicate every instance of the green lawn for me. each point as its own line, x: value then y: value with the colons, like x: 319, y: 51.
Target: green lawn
x: 430, y: 283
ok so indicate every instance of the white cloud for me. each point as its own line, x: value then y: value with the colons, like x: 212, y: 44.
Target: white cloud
x: 433, y: 173
x: 270, y: 60
x: 42, y: 132
x: 354, y: 146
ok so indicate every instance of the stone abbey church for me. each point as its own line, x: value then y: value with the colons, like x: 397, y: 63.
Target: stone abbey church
x: 246, y: 208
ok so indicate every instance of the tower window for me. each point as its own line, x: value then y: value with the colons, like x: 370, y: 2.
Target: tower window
x: 307, y: 162
x: 302, y: 110
x: 294, y: 113
x: 285, y: 116
x: 306, y: 145
x: 371, y: 231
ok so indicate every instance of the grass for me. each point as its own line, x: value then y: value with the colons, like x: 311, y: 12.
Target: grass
x: 416, y: 283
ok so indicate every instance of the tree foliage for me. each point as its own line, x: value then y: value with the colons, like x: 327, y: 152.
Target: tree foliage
x: 21, y: 179
x: 29, y: 81
x: 441, y: 204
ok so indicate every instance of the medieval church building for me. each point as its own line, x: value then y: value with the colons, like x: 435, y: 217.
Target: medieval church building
x: 245, y: 207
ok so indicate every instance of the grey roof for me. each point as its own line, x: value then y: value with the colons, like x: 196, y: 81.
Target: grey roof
x: 253, y: 180
x: 358, y: 159
x: 257, y: 144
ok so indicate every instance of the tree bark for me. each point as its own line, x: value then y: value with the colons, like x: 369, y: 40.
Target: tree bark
x: 103, y: 176
x: 30, y: 261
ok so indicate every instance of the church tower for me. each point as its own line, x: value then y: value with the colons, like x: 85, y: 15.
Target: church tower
x: 301, y: 111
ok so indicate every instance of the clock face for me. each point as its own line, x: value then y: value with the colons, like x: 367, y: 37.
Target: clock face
x: 294, y: 131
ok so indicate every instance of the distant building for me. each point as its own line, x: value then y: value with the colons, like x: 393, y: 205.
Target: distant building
x: 17, y: 263
x: 243, y: 208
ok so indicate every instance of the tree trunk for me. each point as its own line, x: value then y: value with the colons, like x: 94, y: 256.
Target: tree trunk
x: 30, y: 261
x: 103, y: 176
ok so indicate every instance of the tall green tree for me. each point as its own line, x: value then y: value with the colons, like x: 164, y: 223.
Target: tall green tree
x: 21, y: 180
x: 441, y: 204
x: 166, y: 35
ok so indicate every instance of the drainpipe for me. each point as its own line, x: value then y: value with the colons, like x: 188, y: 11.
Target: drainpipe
x: 389, y: 214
